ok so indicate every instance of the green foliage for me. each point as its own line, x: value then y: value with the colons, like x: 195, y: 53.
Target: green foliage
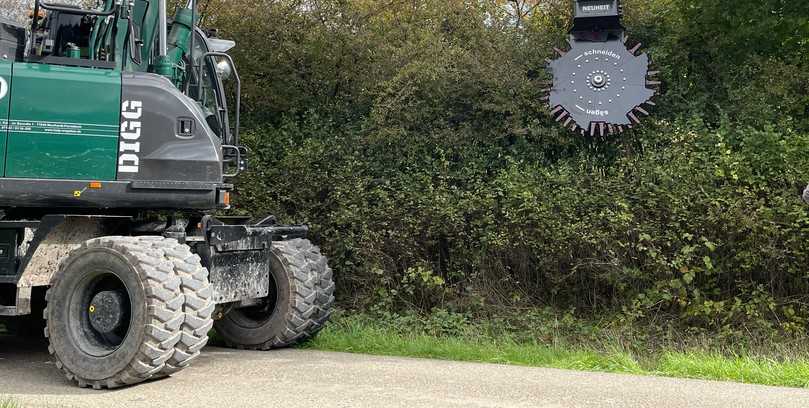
x: 411, y: 137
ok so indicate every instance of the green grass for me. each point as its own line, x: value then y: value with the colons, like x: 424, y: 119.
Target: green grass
x: 790, y: 373
x: 8, y: 403
x: 363, y: 335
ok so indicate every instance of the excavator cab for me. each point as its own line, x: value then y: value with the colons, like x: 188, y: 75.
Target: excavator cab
x: 169, y: 117
x: 76, y: 36
x: 63, y: 34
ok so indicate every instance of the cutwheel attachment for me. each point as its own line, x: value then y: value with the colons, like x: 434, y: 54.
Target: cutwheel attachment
x: 599, y: 83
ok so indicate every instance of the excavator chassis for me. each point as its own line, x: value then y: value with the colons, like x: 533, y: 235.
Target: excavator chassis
x: 236, y: 253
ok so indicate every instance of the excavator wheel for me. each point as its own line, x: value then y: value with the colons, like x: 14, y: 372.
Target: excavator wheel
x: 297, y: 307
x: 325, y: 298
x: 198, y: 303
x: 115, y: 312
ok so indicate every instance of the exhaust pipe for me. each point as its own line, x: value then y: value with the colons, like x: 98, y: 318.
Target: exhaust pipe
x: 163, y: 23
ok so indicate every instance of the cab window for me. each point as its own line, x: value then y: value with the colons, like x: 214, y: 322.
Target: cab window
x: 209, y: 93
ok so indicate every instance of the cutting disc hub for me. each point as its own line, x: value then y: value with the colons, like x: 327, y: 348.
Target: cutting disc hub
x: 598, y: 80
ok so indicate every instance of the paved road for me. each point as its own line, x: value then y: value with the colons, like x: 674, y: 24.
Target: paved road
x: 291, y: 378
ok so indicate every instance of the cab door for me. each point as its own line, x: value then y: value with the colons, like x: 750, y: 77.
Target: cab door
x: 5, y: 97
x: 64, y: 122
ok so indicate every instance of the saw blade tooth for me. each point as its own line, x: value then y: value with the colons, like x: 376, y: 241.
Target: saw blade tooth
x: 635, y: 48
x: 641, y: 110
x: 633, y: 118
x: 556, y: 110
x: 560, y: 51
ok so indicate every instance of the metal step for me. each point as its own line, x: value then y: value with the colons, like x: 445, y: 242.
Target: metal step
x: 8, y: 311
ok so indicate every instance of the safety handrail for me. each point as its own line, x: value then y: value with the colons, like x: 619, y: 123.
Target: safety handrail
x: 76, y: 11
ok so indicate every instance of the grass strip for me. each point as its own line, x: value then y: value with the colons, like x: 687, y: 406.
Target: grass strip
x: 8, y: 403
x: 360, y: 336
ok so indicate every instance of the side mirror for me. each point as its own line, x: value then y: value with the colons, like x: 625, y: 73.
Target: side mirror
x: 224, y: 69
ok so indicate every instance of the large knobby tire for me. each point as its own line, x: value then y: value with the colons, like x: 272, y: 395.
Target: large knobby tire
x: 325, y: 296
x: 198, y: 305
x: 131, y: 277
x: 297, y: 307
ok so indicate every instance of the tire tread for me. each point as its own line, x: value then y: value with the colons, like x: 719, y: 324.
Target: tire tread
x: 164, y: 310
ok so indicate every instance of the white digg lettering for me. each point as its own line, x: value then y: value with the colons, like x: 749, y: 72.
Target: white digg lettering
x: 130, y: 130
x: 132, y: 110
x: 128, y: 160
x: 128, y: 163
x: 3, y: 88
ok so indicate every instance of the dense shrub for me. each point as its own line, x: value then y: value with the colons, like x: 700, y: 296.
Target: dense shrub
x: 411, y: 137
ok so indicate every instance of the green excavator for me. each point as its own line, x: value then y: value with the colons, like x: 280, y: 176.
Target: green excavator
x: 119, y: 138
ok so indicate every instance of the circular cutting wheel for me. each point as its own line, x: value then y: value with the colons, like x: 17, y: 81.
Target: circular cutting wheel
x: 599, y: 87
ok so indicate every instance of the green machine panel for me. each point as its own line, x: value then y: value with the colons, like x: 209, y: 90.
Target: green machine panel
x: 63, y: 123
x: 5, y: 97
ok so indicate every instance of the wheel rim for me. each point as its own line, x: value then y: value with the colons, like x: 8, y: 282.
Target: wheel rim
x: 257, y: 316
x: 100, y: 313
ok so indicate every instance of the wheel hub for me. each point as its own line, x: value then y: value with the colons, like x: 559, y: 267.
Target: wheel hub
x: 107, y: 311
